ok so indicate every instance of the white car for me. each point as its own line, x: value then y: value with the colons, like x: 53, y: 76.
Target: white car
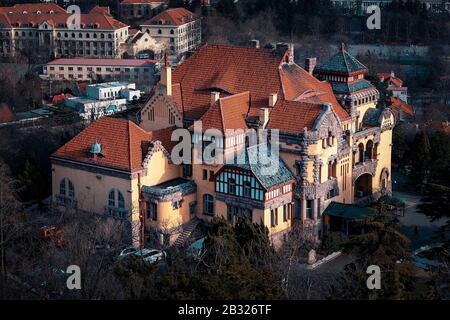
x: 150, y: 255
x: 127, y: 251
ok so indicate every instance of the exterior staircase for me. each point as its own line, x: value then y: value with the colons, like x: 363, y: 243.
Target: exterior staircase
x: 187, y: 230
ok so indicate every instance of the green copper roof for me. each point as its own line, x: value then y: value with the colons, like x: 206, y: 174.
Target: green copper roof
x: 348, y: 211
x: 170, y: 187
x: 348, y: 88
x: 342, y: 62
x: 270, y: 174
x: 372, y: 117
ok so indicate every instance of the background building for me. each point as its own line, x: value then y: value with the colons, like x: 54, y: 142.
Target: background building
x: 137, y: 9
x: 141, y: 72
x: 178, y: 28
x: 48, y: 32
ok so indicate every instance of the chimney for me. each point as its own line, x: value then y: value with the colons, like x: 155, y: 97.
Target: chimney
x: 291, y: 53
x: 214, y: 97
x: 272, y: 99
x: 310, y: 64
x: 263, y: 117
x: 255, y: 43
x: 166, y: 76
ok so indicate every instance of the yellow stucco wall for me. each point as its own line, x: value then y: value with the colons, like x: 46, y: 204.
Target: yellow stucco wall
x: 168, y: 217
x: 91, y: 189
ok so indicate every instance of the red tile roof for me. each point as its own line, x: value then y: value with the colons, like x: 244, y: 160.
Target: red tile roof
x: 227, y: 113
x: 399, y: 104
x: 294, y: 116
x: 100, y: 10
x: 33, y: 7
x: 103, y: 62
x: 6, y: 114
x: 59, y: 20
x: 232, y: 70
x: 388, y: 77
x: 122, y: 144
x: 174, y: 17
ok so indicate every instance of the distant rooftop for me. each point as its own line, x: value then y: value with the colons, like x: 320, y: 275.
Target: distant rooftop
x: 104, y: 62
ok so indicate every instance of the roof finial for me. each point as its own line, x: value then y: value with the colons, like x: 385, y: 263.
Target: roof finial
x: 343, y: 47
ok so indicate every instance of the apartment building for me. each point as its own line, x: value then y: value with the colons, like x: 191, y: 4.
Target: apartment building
x: 139, y: 71
x: 334, y: 145
x: 45, y: 30
x: 178, y: 28
x: 138, y: 9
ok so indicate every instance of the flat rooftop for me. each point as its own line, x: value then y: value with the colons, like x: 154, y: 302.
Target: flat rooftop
x: 104, y: 62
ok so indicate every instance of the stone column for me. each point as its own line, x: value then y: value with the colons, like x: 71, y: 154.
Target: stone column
x: 303, y: 209
x: 314, y: 210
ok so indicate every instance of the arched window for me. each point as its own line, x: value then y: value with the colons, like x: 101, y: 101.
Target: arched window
x: 171, y: 31
x: 369, y: 150
x: 159, y: 31
x: 116, y: 199
x: 208, y: 204
x: 116, y: 204
x: 66, y: 188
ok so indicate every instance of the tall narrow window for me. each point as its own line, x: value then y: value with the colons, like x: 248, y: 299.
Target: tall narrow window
x: 208, y: 204
x: 247, y: 189
x: 231, y: 186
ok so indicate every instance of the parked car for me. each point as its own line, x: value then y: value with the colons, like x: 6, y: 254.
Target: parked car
x: 150, y: 255
x: 147, y: 255
x: 127, y: 251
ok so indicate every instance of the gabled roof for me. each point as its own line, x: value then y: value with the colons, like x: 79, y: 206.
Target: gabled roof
x: 100, y: 10
x: 122, y: 144
x: 399, y: 104
x: 231, y: 70
x: 342, y: 63
x: 390, y: 77
x: 294, y: 116
x: 227, y: 113
x: 33, y: 8
x: 59, y: 20
x: 173, y: 17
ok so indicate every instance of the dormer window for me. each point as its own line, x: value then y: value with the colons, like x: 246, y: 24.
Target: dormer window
x: 96, y: 150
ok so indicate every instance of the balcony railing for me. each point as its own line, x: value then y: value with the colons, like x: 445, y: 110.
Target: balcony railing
x: 360, y: 168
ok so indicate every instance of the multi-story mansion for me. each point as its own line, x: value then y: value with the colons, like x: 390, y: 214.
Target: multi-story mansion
x: 52, y: 33
x: 178, y: 28
x: 334, y: 145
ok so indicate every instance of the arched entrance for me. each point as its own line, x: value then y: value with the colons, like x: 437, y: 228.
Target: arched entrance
x: 363, y: 186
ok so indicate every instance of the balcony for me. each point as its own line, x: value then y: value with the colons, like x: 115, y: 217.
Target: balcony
x: 360, y: 168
